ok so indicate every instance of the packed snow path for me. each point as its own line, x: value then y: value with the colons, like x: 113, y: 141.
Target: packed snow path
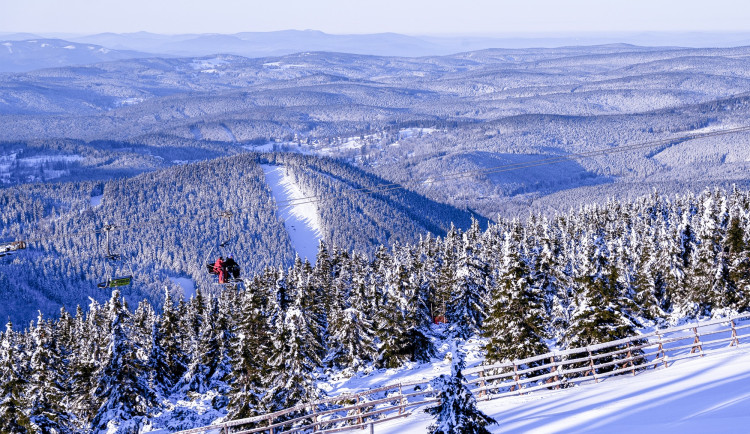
x: 708, y: 394
x: 301, y: 221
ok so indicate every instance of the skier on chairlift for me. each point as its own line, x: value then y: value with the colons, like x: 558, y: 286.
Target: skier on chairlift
x: 220, y: 269
x: 233, y: 269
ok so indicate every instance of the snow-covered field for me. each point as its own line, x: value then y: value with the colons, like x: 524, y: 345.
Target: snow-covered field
x: 301, y: 220
x: 707, y: 395
x: 96, y: 200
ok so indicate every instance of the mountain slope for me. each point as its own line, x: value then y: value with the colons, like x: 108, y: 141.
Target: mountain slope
x: 170, y: 226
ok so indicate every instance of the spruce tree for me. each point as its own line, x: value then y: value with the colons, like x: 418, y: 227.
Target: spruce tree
x: 457, y: 412
x: 46, y: 387
x: 250, y: 347
x: 122, y: 382
x: 515, y: 326
x: 12, y: 385
x: 168, y: 338
x: 206, y: 355
x: 601, y: 312
x: 738, y: 251
x: 466, y: 309
x: 293, y: 358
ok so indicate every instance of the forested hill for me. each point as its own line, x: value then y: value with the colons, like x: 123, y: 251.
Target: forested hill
x: 587, y: 277
x: 169, y: 225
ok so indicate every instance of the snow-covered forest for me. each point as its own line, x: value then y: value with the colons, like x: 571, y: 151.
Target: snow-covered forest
x: 169, y: 226
x: 587, y: 276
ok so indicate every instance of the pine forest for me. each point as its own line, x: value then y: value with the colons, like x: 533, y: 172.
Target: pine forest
x: 586, y: 276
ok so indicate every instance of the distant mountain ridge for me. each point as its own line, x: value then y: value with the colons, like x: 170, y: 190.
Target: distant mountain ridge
x: 285, y: 42
x: 31, y: 54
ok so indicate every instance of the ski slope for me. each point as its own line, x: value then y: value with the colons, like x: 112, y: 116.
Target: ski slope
x: 710, y: 394
x: 301, y: 220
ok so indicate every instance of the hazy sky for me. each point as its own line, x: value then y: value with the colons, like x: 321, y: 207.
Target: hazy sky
x: 354, y: 16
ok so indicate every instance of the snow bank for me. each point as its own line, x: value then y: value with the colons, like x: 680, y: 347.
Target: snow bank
x: 301, y: 221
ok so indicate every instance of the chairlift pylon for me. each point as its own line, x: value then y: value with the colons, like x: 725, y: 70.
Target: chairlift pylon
x: 113, y: 281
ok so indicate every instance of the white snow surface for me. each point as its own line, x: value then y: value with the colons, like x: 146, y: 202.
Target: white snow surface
x: 96, y: 201
x: 707, y: 394
x: 302, y: 221
x: 699, y: 394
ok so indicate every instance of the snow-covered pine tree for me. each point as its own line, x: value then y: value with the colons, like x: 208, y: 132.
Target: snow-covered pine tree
x: 250, y: 347
x: 322, y: 281
x: 404, y: 315
x: 293, y: 358
x: 466, y: 311
x: 123, y: 388
x: 562, y: 303
x: 706, y: 277
x: 168, y: 359
x: 547, y: 266
x: 12, y: 385
x: 46, y: 388
x: 84, y: 362
x: 418, y: 318
x: 515, y: 324
x: 206, y: 354
x: 351, y: 341
x: 601, y: 312
x: 738, y: 251
x: 446, y: 261
x: 457, y: 412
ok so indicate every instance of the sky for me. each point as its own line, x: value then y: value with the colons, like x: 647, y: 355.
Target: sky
x: 413, y: 17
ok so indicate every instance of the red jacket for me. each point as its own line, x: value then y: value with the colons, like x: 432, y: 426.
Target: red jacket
x: 219, y: 269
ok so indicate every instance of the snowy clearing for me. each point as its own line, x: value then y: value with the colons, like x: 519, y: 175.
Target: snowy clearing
x: 96, y: 201
x: 301, y: 221
x: 187, y: 285
x: 41, y: 159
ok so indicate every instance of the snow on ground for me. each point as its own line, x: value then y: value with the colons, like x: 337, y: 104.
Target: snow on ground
x: 708, y: 394
x: 41, y: 159
x: 301, y: 221
x: 96, y: 201
x: 187, y: 285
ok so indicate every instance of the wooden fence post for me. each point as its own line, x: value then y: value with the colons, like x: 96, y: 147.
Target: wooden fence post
x: 515, y: 377
x: 483, y: 385
x: 735, y: 340
x: 630, y: 357
x: 554, y: 369
x: 314, y: 417
x: 400, y: 399
x: 661, y: 349
x: 359, y: 413
x: 591, y: 364
x: 697, y: 342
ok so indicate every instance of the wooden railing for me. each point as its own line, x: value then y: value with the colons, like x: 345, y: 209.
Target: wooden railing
x: 547, y: 371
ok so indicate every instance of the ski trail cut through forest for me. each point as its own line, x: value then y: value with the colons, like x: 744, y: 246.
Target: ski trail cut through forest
x: 301, y: 221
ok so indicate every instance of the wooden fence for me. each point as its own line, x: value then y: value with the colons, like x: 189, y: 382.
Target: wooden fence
x: 553, y: 370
